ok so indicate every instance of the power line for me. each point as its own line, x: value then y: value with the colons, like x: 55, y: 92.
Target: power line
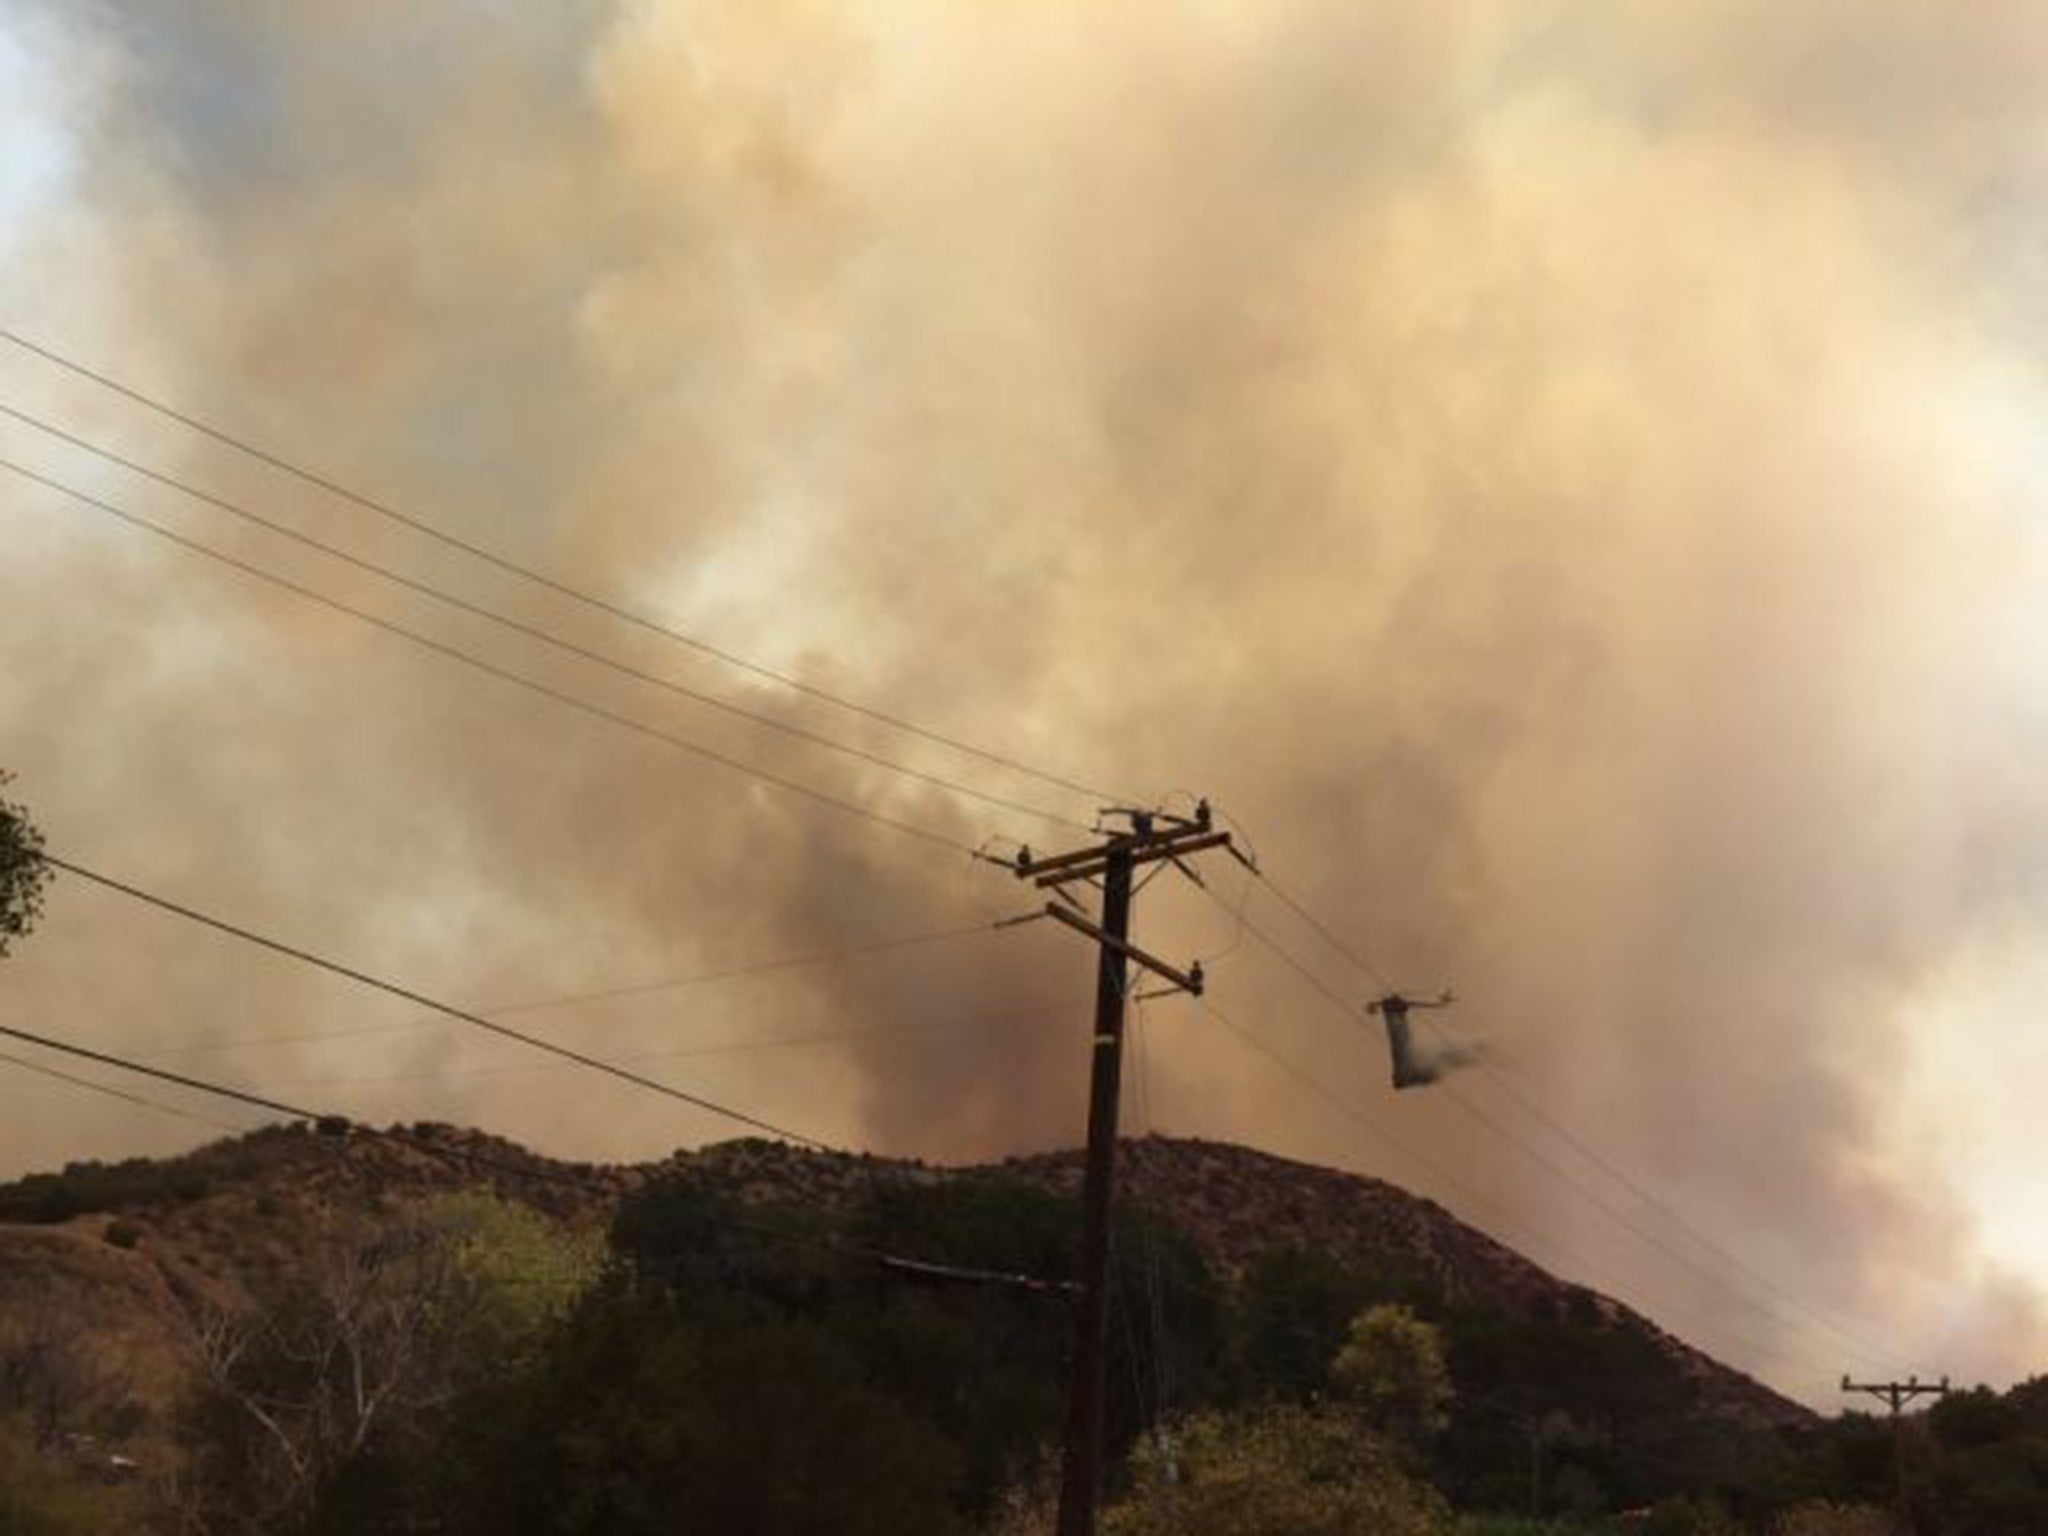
x: 529, y: 1171
x: 1323, y: 932
x: 290, y: 1111
x: 619, y: 611
x: 612, y: 607
x: 1344, y: 1006
x: 116, y: 1093
x: 162, y: 1074
x: 278, y: 946
x: 606, y: 994
x: 1501, y: 1081
x: 1508, y: 1223
x: 1365, y: 966
x: 536, y: 632
x: 718, y: 1048
x: 1535, y: 1111
x: 299, y: 1112
x: 560, y: 696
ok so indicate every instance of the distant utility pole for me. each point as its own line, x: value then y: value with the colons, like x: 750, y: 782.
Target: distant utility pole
x: 1153, y: 836
x: 1897, y: 1394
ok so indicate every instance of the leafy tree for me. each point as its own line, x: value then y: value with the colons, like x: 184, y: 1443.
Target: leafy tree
x: 1278, y: 1470
x: 1392, y: 1367
x: 313, y: 1406
x: 515, y: 1271
x: 1978, y: 1416
x: 1988, y: 1490
x: 643, y: 1418
x: 1294, y: 1306
x: 23, y: 871
x: 983, y: 1365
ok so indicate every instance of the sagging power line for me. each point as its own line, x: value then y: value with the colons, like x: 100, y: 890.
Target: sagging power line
x: 534, y: 631
x: 1531, y: 1242
x: 337, y: 1126
x: 365, y: 978
x: 1808, y: 1318
x: 849, y: 953
x: 107, y: 1090
x: 491, y: 669
x: 952, y: 1026
x: 594, y: 601
x: 805, y: 789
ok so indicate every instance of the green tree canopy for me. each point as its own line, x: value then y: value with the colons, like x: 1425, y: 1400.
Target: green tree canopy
x: 1392, y: 1366
x: 1274, y: 1471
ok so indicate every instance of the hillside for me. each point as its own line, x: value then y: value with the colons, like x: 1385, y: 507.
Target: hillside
x: 116, y: 1254
x: 1237, y: 1203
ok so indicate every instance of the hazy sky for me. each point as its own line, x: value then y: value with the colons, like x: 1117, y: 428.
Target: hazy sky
x: 1567, y: 479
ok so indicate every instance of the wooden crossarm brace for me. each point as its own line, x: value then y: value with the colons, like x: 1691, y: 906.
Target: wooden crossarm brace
x: 1187, y: 981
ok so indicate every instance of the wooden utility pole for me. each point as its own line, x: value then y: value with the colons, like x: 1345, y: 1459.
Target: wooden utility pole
x: 1109, y: 864
x: 1897, y: 1394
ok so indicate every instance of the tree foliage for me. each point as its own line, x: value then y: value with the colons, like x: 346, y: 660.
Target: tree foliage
x: 1392, y: 1368
x: 1277, y: 1470
x: 645, y: 1418
x: 466, y: 1366
x: 23, y: 871
x: 312, y: 1406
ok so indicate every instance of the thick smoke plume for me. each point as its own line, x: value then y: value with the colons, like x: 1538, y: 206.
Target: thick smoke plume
x: 1567, y: 479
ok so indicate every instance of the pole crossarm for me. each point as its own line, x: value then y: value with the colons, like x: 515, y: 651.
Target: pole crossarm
x: 1089, y: 863
x: 1190, y: 980
x: 1897, y: 1394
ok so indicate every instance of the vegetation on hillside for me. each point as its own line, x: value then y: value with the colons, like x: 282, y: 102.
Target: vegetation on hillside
x: 466, y: 1365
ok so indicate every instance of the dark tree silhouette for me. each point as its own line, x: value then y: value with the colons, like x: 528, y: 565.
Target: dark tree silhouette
x: 23, y: 872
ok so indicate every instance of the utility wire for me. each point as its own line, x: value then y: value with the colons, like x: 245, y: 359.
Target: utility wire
x: 1346, y: 1008
x: 1501, y: 1081
x: 1536, y: 1112
x: 1321, y: 930
x: 297, y: 1112
x: 137, y: 1099
x: 536, y: 632
x: 610, y: 606
x: 606, y: 994
x: 162, y: 1074
x: 628, y: 615
x: 560, y: 696
x: 718, y: 1048
x: 1504, y: 1220
x: 534, y: 1173
x: 307, y: 957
